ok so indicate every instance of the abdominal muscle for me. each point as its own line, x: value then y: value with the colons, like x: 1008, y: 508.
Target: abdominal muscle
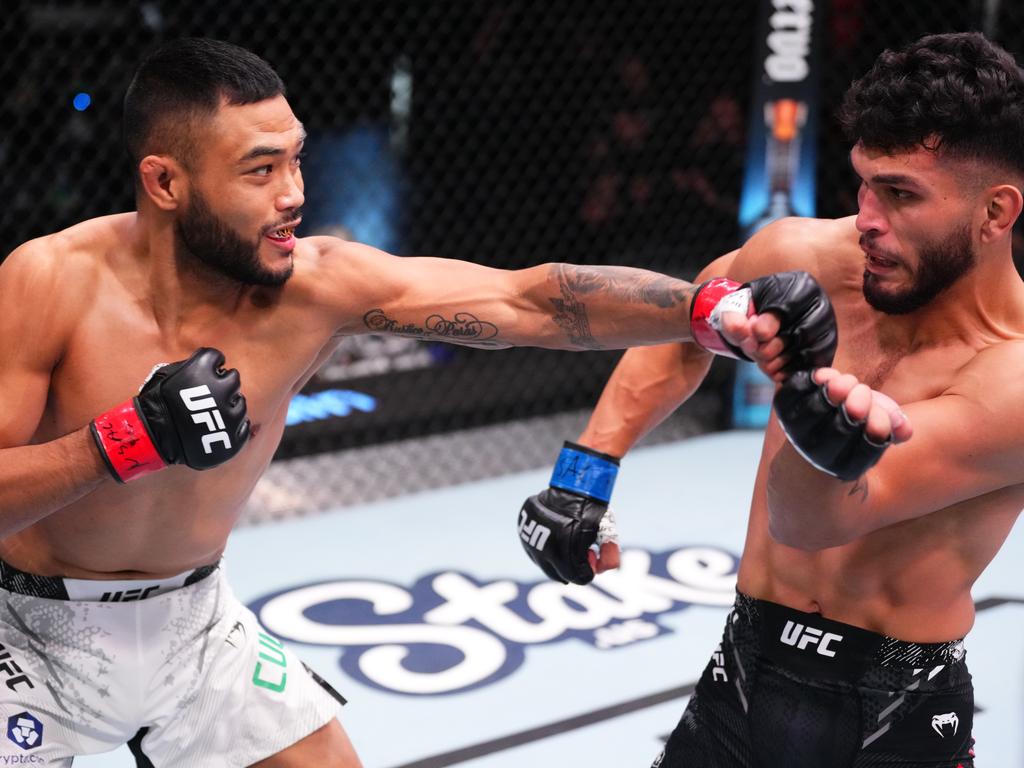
x: 911, y: 580
x: 159, y: 525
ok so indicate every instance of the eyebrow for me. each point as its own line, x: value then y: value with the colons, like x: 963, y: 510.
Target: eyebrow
x: 264, y: 150
x: 895, y: 178
x: 886, y: 178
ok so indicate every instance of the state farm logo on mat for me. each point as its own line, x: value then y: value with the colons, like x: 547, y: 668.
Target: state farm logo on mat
x: 450, y: 632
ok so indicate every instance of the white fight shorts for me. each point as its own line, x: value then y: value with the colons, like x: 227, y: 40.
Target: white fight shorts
x: 177, y: 668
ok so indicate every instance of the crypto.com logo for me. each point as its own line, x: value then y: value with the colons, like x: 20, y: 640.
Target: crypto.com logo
x: 450, y: 632
x: 25, y: 730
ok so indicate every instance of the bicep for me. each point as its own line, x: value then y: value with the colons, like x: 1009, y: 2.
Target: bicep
x: 22, y: 401
x: 421, y: 297
x: 29, y: 347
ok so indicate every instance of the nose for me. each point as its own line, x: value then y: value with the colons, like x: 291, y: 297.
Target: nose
x: 870, y: 216
x: 291, y: 193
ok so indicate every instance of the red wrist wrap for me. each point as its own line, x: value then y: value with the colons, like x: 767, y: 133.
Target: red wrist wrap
x: 125, y: 443
x: 707, y: 298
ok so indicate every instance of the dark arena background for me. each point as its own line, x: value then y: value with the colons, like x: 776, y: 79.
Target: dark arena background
x: 506, y: 133
x: 645, y: 133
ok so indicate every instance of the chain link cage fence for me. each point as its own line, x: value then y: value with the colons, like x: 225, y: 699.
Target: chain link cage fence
x: 504, y: 132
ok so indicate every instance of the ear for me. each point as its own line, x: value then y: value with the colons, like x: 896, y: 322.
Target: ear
x: 164, y: 181
x: 1003, y: 206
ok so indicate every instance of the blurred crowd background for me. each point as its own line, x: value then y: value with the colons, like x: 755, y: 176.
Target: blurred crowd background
x: 504, y: 132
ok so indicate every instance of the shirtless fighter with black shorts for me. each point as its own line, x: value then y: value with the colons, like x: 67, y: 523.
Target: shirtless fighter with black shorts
x: 845, y: 644
x: 116, y: 624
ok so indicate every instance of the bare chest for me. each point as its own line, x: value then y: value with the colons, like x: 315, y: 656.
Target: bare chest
x: 905, y: 374
x: 114, y: 349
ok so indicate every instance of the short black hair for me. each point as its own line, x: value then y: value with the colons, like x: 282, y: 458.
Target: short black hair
x: 182, y: 82
x: 957, y: 93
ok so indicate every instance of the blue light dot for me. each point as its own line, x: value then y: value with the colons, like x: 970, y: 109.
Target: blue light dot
x: 82, y: 101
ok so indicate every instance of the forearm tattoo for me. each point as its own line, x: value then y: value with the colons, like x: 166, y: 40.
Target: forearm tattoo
x: 464, y: 328
x: 571, y: 317
x: 620, y: 284
x: 635, y: 286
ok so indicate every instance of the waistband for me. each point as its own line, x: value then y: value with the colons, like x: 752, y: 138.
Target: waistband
x: 96, y: 590
x: 795, y: 638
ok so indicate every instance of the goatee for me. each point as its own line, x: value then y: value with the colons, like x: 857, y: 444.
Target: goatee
x: 940, y: 265
x: 216, y: 246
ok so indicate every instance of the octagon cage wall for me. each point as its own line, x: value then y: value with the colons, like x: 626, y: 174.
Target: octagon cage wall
x: 505, y: 132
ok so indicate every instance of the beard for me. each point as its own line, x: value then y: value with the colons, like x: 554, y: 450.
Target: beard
x: 941, y: 264
x: 214, y: 244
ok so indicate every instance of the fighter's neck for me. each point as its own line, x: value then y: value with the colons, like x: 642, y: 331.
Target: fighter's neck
x: 982, y: 307
x: 176, y: 286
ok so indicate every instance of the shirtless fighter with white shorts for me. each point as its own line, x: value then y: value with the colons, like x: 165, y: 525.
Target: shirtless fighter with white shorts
x: 116, y: 624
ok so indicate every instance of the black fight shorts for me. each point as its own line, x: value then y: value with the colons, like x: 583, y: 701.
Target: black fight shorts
x: 796, y: 690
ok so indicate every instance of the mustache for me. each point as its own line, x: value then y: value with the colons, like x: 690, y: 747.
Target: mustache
x: 296, y: 214
x: 867, y: 243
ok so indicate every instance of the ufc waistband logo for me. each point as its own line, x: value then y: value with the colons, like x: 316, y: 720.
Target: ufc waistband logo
x: 532, y: 532
x: 127, y: 595
x: 800, y: 636
x: 199, y: 400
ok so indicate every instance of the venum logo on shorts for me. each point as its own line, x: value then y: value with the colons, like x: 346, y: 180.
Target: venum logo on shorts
x: 800, y: 636
x: 450, y: 632
x: 25, y: 730
x: 236, y: 636
x: 941, y: 723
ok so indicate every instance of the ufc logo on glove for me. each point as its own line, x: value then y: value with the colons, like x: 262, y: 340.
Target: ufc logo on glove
x: 205, y: 411
x: 182, y: 411
x: 532, y: 532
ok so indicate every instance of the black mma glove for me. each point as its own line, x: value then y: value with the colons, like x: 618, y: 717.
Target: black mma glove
x: 807, y: 322
x: 823, y: 433
x: 558, y: 526
x: 190, y: 412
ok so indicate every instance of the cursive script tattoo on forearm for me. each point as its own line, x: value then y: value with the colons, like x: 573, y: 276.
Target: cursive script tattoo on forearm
x: 463, y: 328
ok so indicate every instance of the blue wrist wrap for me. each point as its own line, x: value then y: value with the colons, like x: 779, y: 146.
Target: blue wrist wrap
x: 585, y: 474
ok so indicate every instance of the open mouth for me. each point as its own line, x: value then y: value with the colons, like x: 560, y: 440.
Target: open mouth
x: 874, y: 255
x: 283, y: 234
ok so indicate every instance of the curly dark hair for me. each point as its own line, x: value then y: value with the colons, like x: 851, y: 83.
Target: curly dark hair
x: 958, y: 93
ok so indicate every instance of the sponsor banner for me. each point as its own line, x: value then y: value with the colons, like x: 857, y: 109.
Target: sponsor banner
x: 451, y: 632
x: 779, y: 178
